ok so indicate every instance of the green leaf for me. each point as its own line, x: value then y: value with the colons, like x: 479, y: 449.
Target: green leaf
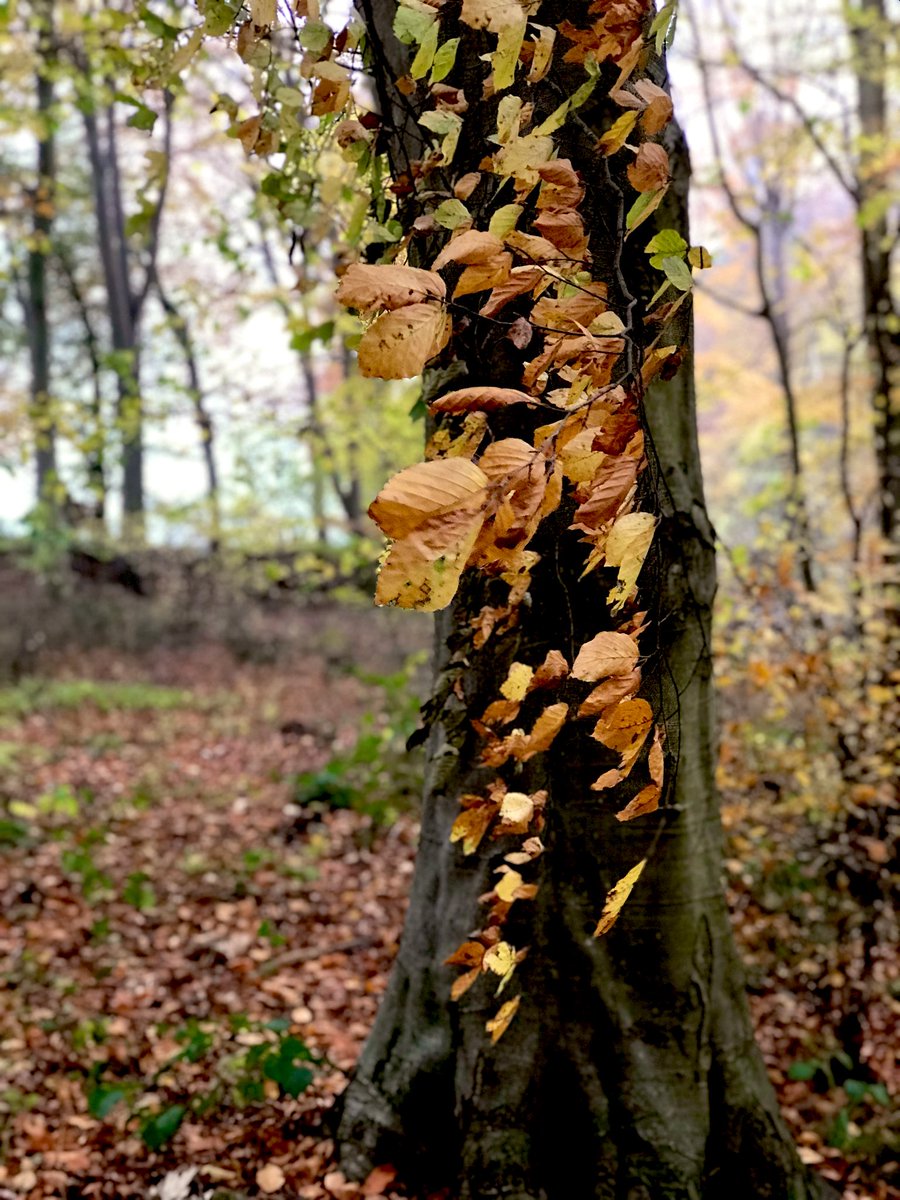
x: 451, y: 214
x: 219, y: 15
x: 102, y: 1100
x: 803, y: 1070
x: 444, y: 60
x: 678, y: 273
x: 642, y: 208
x: 158, y: 1130
x: 143, y: 118
x: 666, y: 243
x: 315, y: 36
x: 157, y: 26
x: 421, y: 64
x: 505, y: 219
x: 411, y: 25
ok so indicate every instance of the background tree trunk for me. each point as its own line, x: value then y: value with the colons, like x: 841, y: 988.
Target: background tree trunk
x: 630, y: 1070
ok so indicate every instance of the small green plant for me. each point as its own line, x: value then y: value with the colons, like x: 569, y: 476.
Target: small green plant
x: 859, y: 1094
x: 138, y: 892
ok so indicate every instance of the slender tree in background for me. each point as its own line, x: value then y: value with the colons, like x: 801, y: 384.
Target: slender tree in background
x: 34, y: 295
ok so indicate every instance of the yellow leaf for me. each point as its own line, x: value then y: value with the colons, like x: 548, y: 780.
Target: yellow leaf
x: 617, y: 134
x: 523, y: 156
x: 369, y: 287
x: 421, y: 491
x: 507, y: 886
x: 616, y: 899
x: 700, y: 257
x: 604, y: 655
x: 471, y: 246
x: 481, y: 277
x: 499, y: 1024
x: 504, y: 219
x: 501, y: 959
x: 422, y: 570
x: 517, y: 682
x: 469, y: 954
x: 263, y: 12
x: 543, y: 53
x: 471, y: 825
x: 626, y: 548
x: 625, y: 729
x: 646, y: 801
x: 400, y: 343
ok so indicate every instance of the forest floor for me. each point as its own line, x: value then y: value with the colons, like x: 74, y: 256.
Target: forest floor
x: 195, y: 932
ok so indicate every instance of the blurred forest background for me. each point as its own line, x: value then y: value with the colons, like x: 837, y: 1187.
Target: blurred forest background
x: 207, y: 807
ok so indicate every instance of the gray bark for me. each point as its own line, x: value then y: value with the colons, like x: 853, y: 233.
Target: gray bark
x: 630, y: 1071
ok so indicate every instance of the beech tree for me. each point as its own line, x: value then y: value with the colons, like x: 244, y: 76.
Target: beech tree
x: 566, y: 1015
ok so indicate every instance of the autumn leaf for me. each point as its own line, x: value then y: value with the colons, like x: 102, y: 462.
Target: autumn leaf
x: 626, y: 548
x: 471, y: 246
x: 270, y: 1178
x: 611, y: 691
x: 400, y: 343
x: 499, y: 1024
x: 616, y: 898
x: 471, y: 825
x: 516, y: 808
x: 650, y: 169
x: 422, y: 490
x: 625, y: 729
x: 552, y: 671
x: 658, y: 112
x: 469, y: 954
x: 422, y: 570
x: 508, y: 884
x: 517, y: 682
x: 379, y: 1180
x: 647, y: 799
x: 617, y: 134
x: 485, y: 399
x: 606, y: 654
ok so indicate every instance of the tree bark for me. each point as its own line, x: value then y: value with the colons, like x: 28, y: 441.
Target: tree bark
x: 630, y: 1070
x: 37, y: 320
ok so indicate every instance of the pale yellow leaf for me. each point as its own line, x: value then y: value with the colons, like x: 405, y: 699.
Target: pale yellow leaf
x: 625, y: 728
x: 616, y: 899
x: 626, y: 548
x: 516, y: 808
x: 501, y: 959
x: 423, y: 569
x: 617, y: 134
x: 543, y: 53
x: 471, y: 825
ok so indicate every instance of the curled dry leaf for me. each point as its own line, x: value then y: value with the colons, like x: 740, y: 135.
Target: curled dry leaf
x: 516, y: 808
x: 650, y: 169
x: 647, y: 799
x: 422, y: 570
x: 499, y: 1024
x: 367, y: 288
x: 484, y: 399
x: 472, y: 824
x: 508, y: 884
x: 401, y: 342
x: 552, y: 671
x: 606, y: 654
x: 611, y: 691
x: 500, y: 959
x: 472, y: 246
x: 616, y: 899
x: 659, y: 109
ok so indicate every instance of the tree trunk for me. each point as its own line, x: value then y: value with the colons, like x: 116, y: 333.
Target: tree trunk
x: 36, y: 316
x: 630, y: 1070
x: 869, y: 32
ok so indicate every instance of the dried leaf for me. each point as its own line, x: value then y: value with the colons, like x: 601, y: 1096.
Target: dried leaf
x: 485, y: 399
x: 617, y: 134
x: 616, y: 899
x: 499, y: 1024
x: 517, y: 682
x: 625, y: 728
x: 270, y: 1178
x: 606, y: 654
x: 611, y: 691
x: 516, y: 808
x: 626, y: 548
x: 400, y: 343
x: 472, y: 246
x: 471, y: 825
x: 422, y: 570
x: 650, y: 169
x: 379, y: 1180
x: 507, y: 886
x: 421, y: 491
x: 659, y: 110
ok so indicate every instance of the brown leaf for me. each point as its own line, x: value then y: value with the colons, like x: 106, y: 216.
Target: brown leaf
x: 650, y: 169
x: 421, y: 491
x: 606, y: 654
x: 400, y: 343
x: 379, y: 1180
x: 472, y: 246
x: 367, y: 288
x: 270, y: 1178
x: 611, y: 691
x: 485, y: 399
x: 499, y: 1024
x: 659, y: 110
